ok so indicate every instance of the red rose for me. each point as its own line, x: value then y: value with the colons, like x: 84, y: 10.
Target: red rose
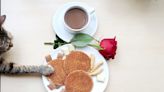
x: 109, y: 48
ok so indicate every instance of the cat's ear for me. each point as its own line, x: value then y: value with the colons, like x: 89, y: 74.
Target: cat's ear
x: 2, y: 19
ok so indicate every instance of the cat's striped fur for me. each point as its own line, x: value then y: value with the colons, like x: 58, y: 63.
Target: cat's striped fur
x: 11, y: 68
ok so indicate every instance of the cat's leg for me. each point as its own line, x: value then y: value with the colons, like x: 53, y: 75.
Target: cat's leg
x: 11, y: 68
x: 42, y: 69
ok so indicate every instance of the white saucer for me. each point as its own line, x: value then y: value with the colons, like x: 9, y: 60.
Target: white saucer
x: 59, y: 27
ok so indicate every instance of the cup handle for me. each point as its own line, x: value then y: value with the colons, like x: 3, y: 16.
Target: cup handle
x: 91, y: 10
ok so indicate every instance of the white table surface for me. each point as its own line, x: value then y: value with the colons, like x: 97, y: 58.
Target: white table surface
x: 137, y: 24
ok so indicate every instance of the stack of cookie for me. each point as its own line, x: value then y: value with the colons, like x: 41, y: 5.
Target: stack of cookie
x: 72, y: 71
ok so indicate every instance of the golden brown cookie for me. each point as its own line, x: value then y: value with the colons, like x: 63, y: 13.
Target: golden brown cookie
x: 78, y: 81
x: 76, y: 60
x: 58, y: 77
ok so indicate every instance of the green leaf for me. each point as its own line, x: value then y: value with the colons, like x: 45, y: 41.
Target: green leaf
x: 59, y: 39
x: 81, y: 40
x: 57, y: 43
x: 55, y: 46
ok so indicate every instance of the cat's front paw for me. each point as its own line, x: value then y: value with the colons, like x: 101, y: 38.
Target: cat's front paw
x: 46, y: 69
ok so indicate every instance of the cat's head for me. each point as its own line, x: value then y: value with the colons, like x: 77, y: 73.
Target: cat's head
x: 5, y: 37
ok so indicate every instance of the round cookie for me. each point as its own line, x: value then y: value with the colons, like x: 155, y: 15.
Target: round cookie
x: 76, y: 60
x: 78, y: 81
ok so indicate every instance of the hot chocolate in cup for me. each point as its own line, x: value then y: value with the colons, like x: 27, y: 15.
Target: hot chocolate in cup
x: 77, y: 18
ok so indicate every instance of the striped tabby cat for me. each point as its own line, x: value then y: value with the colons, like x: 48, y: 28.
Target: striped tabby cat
x: 11, y: 68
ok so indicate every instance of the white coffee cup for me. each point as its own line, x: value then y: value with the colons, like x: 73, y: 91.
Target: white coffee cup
x: 88, y: 13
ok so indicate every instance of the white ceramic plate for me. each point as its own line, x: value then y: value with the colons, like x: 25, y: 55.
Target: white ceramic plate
x: 98, y: 86
x: 59, y: 27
